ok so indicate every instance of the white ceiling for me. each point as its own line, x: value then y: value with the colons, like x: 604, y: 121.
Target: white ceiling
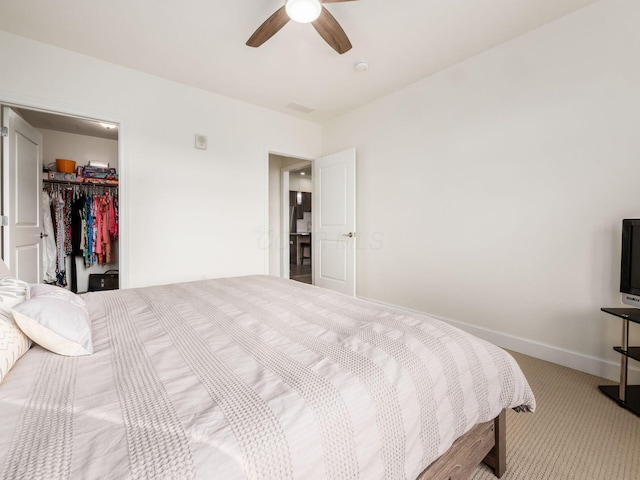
x: 305, y: 172
x: 67, y: 123
x: 202, y: 43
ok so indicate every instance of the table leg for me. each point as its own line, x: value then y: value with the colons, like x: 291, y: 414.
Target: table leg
x: 624, y: 359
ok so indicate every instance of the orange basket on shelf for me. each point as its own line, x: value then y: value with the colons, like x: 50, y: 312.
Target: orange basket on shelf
x: 65, y: 166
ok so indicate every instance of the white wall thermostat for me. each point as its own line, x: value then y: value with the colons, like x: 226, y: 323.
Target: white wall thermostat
x: 201, y: 142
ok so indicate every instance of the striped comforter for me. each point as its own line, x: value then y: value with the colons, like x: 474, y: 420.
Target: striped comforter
x: 250, y: 377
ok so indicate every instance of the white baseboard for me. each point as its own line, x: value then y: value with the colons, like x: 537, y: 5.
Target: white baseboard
x: 578, y: 361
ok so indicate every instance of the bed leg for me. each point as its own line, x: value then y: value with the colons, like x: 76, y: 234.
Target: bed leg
x: 497, y: 457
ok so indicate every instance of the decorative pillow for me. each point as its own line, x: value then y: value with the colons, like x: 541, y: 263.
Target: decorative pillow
x: 4, y: 271
x: 57, y: 320
x: 13, y: 343
x: 12, y: 292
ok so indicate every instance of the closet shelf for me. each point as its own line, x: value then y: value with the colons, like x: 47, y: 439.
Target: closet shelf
x: 83, y: 184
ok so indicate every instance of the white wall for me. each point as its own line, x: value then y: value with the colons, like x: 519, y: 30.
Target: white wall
x: 299, y: 182
x: 189, y: 213
x: 81, y: 149
x: 275, y: 237
x: 492, y: 193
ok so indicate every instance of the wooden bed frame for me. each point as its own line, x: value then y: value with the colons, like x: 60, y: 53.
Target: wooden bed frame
x: 486, y: 442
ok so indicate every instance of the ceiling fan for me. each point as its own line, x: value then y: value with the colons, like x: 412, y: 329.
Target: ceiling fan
x: 304, y: 11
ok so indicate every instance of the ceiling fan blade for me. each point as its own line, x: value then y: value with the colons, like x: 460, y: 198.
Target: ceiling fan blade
x: 329, y: 29
x: 269, y: 28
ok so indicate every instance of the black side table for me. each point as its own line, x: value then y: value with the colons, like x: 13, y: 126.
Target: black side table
x: 627, y: 396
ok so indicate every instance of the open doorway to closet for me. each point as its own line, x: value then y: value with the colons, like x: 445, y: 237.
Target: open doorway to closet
x: 60, y: 202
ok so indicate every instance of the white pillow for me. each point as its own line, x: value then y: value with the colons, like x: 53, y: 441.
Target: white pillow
x: 12, y: 292
x: 13, y: 343
x: 4, y: 271
x: 57, y: 320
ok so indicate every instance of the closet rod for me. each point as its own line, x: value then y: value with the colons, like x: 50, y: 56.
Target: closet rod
x: 77, y: 184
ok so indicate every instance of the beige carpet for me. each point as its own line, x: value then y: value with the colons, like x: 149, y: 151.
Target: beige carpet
x: 576, y: 433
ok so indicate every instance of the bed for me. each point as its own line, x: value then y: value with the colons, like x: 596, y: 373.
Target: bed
x: 258, y: 378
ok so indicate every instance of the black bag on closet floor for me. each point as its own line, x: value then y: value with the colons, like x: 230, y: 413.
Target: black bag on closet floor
x: 104, y: 281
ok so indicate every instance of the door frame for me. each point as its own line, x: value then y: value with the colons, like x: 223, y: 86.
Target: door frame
x: 273, y: 239
x: 17, y: 101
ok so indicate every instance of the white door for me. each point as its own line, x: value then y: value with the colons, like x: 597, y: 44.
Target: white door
x: 334, y: 225
x: 21, y: 172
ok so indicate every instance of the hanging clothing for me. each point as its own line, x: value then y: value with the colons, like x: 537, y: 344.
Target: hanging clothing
x: 113, y: 221
x: 104, y: 237
x: 49, y: 241
x: 58, y: 203
x: 88, y: 232
x: 77, y: 206
x: 97, y: 230
x: 77, y: 211
x: 82, y: 224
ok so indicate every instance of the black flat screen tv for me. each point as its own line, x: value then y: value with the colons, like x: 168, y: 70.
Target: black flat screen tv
x: 630, y: 264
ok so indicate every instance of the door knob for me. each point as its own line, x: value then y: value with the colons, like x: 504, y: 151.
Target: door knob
x: 350, y: 234
x: 42, y: 235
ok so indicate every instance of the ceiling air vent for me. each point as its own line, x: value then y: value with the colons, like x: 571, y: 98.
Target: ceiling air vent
x: 299, y: 108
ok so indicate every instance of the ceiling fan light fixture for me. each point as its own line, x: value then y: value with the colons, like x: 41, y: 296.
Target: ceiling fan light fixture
x: 303, y: 11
